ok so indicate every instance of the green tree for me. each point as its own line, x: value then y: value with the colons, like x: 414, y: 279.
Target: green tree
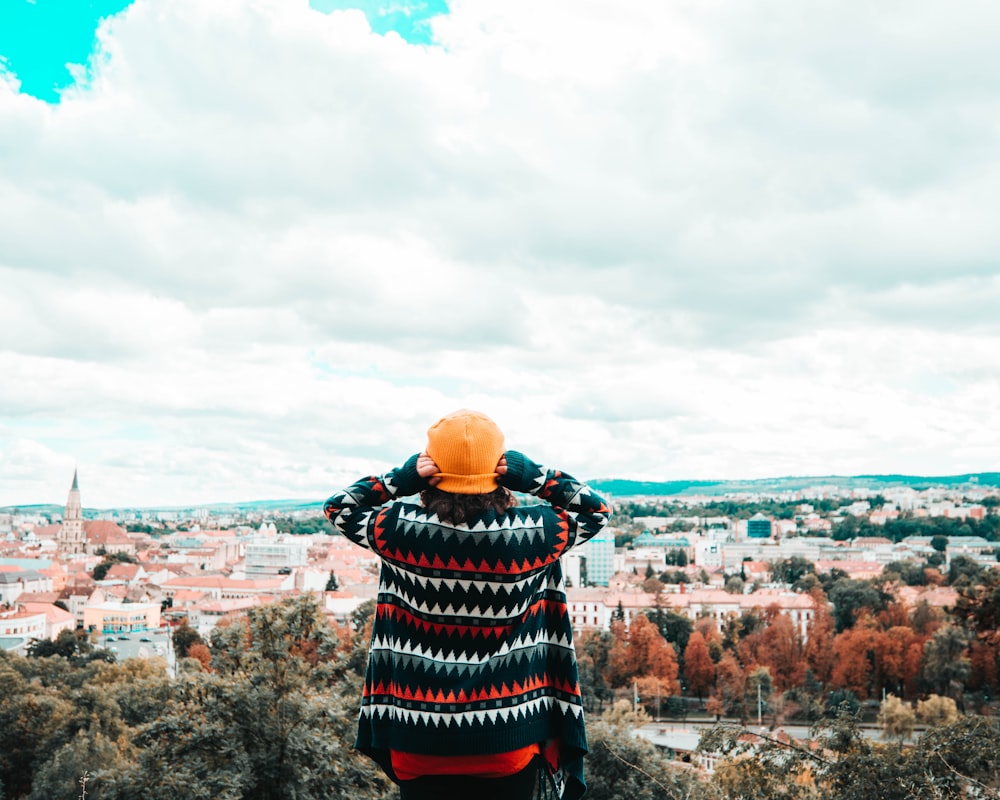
x: 849, y: 597
x: 675, y: 628
x: 964, y: 571
x: 622, y: 765
x: 791, y: 570
x: 184, y: 636
x: 72, y: 645
x: 110, y: 559
x: 946, y: 664
x: 273, y: 720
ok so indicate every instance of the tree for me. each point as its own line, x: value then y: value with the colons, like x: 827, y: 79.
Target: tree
x: 853, y: 659
x: 592, y: 649
x: 896, y: 718
x: 937, y: 710
x: 699, y: 671
x: 272, y: 721
x: 67, y: 644
x: 110, y: 559
x: 675, y: 628
x: 758, y: 691
x: 183, y: 637
x: 897, y: 654
x: 791, y: 570
x: 622, y: 765
x: 963, y: 571
x: 819, y: 638
x: 946, y: 664
x: 849, y: 597
x: 730, y: 687
x: 641, y: 652
x: 978, y: 610
x: 951, y: 762
x: 781, y: 650
x: 332, y: 585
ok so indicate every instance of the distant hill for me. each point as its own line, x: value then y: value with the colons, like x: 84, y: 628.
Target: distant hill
x: 626, y: 488
x: 617, y: 487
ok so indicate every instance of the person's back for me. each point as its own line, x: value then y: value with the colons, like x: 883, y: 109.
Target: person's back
x: 471, y: 680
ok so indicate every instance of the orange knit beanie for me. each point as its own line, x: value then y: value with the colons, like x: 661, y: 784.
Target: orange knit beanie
x: 466, y: 446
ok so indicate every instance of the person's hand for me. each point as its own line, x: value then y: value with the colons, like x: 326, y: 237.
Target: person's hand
x: 502, y: 466
x: 427, y: 469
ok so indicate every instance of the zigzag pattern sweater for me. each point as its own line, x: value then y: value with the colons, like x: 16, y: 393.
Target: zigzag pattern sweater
x: 472, y: 646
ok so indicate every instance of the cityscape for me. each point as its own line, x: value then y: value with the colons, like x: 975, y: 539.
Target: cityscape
x: 787, y: 605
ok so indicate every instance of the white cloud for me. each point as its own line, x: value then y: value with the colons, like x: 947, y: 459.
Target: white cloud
x: 265, y: 248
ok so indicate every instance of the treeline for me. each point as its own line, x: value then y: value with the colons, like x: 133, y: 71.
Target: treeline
x: 268, y: 713
x: 907, y: 525
x: 859, y: 644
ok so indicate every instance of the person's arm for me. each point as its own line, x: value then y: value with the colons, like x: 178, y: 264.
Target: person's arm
x: 350, y: 509
x: 586, y: 511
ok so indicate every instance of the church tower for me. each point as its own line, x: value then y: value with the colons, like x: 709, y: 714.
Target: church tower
x: 72, y: 538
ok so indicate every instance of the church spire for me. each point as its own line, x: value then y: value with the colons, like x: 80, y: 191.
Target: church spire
x: 72, y: 537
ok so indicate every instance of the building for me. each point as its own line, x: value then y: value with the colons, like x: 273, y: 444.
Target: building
x: 71, y: 539
x: 15, y: 581
x: 759, y: 527
x: 18, y: 627
x: 599, y: 555
x: 276, y: 556
x: 113, y: 616
x: 104, y: 537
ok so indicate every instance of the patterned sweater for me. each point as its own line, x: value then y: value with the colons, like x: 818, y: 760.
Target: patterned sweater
x: 472, y: 647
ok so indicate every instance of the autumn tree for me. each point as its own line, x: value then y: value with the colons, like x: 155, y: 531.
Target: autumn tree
x: 781, y: 650
x: 853, y: 659
x: 699, y: 671
x: 896, y: 660
x: 730, y: 687
x: 819, y: 638
x: 640, y: 653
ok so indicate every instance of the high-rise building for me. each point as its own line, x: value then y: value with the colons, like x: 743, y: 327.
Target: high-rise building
x: 599, y: 558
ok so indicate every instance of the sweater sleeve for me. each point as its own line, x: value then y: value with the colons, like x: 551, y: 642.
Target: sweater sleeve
x: 351, y: 509
x: 586, y: 511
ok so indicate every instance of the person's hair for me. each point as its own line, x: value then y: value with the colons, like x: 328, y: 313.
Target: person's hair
x: 456, y: 509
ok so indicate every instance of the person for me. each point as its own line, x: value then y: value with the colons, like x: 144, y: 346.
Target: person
x: 471, y: 686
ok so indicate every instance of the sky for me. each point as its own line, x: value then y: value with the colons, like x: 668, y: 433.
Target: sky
x: 253, y: 249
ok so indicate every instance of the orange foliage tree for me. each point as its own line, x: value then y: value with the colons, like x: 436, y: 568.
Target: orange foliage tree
x: 853, y: 658
x: 699, y: 671
x: 640, y: 651
x: 781, y: 650
x: 819, y: 638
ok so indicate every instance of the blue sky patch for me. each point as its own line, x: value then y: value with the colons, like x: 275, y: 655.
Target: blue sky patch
x: 38, y: 38
x: 409, y: 18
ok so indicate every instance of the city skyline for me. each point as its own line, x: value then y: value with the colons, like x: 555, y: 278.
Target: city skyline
x: 254, y: 249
